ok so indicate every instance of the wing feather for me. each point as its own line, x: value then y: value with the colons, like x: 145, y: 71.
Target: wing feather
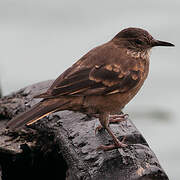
x: 99, y: 80
x: 104, y: 70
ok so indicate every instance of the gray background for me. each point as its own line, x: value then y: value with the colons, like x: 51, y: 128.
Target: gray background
x: 39, y: 39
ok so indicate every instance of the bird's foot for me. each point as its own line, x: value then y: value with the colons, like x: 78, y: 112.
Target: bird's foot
x: 118, y: 118
x: 119, y: 144
x: 113, y: 119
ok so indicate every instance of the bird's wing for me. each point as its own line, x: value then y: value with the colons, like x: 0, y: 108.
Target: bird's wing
x: 97, y: 80
x: 102, y: 71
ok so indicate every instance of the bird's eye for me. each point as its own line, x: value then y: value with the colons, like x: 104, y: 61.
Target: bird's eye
x: 138, y: 41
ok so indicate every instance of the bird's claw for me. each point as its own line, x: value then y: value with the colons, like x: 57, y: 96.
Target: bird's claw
x: 118, y: 118
x: 117, y: 145
x: 111, y: 147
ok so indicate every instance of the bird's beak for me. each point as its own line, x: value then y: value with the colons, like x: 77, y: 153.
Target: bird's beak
x: 161, y: 43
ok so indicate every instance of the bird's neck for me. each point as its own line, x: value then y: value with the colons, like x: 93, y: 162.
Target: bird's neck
x: 138, y: 54
x: 135, y: 53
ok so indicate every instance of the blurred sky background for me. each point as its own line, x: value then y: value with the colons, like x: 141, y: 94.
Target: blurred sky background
x: 39, y: 39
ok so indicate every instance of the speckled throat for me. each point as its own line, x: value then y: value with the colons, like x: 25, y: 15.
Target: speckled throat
x: 139, y: 54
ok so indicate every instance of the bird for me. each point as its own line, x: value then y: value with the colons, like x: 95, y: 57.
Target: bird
x: 102, y: 82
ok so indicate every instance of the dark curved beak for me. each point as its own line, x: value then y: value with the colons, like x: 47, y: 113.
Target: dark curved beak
x: 161, y: 43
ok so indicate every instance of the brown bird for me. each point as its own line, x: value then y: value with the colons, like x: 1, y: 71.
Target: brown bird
x: 102, y: 82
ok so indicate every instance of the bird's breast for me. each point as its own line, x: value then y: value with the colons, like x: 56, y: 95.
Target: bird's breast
x: 115, y: 102
x: 123, y: 98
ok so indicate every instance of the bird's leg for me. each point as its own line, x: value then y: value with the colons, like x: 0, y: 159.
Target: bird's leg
x: 115, y: 118
x: 104, y: 120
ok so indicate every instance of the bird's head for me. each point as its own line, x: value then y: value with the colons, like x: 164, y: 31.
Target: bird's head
x: 137, y: 39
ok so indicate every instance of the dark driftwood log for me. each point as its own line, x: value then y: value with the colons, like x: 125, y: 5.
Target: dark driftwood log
x: 64, y: 145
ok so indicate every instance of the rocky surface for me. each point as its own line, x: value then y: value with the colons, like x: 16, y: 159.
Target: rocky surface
x: 68, y: 138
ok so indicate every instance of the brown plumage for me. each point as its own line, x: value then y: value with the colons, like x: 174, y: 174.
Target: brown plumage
x: 102, y: 82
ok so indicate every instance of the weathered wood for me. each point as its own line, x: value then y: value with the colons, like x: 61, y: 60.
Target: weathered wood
x: 71, y: 136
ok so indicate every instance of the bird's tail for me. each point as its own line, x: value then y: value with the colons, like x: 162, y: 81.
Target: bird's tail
x: 36, y: 113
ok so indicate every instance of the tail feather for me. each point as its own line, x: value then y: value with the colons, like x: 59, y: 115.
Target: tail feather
x: 36, y: 113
